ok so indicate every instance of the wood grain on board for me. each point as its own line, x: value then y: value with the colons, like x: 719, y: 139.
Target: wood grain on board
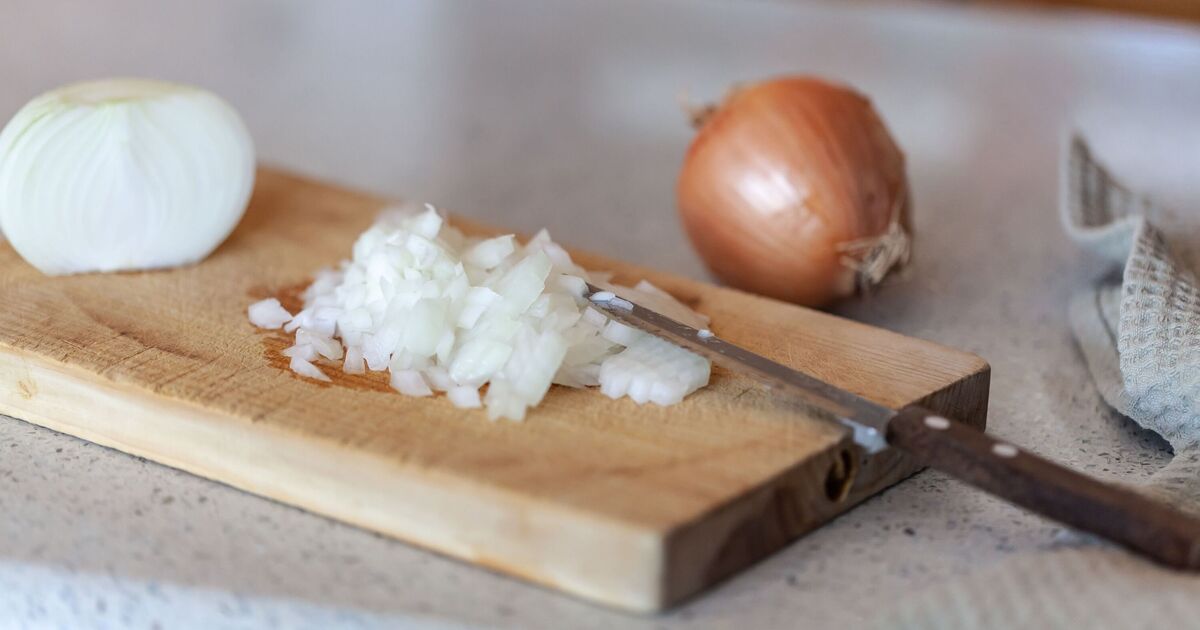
x: 633, y: 506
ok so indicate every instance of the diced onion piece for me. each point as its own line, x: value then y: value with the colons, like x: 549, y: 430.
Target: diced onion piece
x: 302, y: 351
x: 571, y: 284
x: 478, y: 360
x: 590, y: 349
x: 324, y: 346
x: 585, y: 375
x: 354, y: 361
x: 557, y: 255
x: 536, y: 358
x: 439, y: 379
x: 304, y: 368
x: 653, y: 370
x: 594, y: 317
x: 268, y: 313
x: 619, y: 333
x: 410, y: 383
x: 477, y: 301
x: 425, y: 327
x: 377, y: 349
x: 521, y: 285
x: 464, y: 397
x: 503, y: 402
x: 490, y: 253
x: 445, y: 346
x: 428, y: 223
x: 355, y: 319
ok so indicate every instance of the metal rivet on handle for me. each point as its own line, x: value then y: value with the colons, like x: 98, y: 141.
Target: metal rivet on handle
x: 1004, y: 450
x: 937, y: 422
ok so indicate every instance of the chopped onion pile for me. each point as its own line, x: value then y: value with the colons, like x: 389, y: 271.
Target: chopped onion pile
x: 446, y: 313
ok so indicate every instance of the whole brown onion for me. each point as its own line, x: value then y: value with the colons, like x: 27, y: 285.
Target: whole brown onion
x: 793, y: 188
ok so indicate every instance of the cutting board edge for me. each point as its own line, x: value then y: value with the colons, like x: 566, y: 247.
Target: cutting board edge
x: 757, y: 524
x: 670, y: 566
x: 124, y: 418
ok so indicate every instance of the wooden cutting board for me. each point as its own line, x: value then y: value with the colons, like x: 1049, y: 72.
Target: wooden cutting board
x: 636, y: 507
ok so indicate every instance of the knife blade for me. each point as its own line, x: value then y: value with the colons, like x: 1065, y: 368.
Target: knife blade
x: 867, y: 420
x: 1145, y: 525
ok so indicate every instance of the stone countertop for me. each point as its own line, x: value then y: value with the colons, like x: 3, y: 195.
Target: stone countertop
x: 565, y: 115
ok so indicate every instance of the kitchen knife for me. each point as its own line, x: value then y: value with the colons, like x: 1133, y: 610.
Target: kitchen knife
x: 1124, y: 516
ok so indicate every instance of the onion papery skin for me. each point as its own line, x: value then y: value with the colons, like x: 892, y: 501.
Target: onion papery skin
x: 780, y: 177
x: 123, y: 174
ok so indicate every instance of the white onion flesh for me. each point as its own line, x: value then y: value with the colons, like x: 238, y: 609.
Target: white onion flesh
x: 446, y: 313
x: 268, y: 313
x: 410, y: 382
x: 464, y: 397
x: 653, y: 370
x: 122, y: 174
x: 305, y: 367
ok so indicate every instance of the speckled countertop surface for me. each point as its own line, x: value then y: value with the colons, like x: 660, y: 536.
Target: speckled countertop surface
x: 564, y: 115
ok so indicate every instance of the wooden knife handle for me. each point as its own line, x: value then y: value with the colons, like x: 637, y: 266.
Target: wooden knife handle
x: 1119, y: 514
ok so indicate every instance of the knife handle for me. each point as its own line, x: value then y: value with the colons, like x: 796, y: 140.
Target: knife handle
x: 1122, y: 515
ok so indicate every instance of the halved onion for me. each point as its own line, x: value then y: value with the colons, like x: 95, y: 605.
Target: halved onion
x: 122, y: 174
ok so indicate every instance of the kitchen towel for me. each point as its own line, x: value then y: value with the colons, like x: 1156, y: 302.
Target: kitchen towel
x: 1139, y: 331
